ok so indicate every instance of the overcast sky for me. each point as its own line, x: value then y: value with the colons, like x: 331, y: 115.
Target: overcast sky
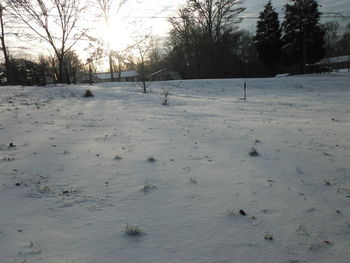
x: 159, y: 8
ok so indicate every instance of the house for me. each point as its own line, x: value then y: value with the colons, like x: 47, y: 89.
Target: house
x: 164, y: 74
x: 331, y: 64
x: 124, y: 76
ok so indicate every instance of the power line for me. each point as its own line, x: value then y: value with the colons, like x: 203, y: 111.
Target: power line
x: 239, y: 17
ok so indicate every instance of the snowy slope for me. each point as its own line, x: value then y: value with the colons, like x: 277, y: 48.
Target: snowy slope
x: 65, y: 198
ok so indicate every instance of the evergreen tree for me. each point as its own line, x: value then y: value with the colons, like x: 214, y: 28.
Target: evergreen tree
x: 303, y: 36
x: 268, y: 38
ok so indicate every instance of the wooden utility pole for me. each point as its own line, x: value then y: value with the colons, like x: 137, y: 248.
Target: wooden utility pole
x: 245, y: 91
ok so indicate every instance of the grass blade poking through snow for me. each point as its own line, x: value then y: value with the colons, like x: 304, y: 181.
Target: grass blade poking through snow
x: 133, y: 230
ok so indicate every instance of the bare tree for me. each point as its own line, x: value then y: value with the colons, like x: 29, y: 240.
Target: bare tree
x: 216, y: 16
x: 94, y: 49
x: 200, y: 34
x: 119, y: 61
x: 332, y: 36
x: 53, y: 21
x: 156, y: 56
x: 186, y: 33
x: 109, y: 8
x: 143, y: 45
x: 4, y: 46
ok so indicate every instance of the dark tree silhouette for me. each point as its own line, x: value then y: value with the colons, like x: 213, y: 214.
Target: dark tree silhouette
x: 268, y: 39
x: 303, y: 36
x: 202, y: 34
x: 53, y: 21
x: 9, y: 74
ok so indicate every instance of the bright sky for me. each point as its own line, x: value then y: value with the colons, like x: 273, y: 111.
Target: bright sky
x: 152, y: 14
x: 141, y: 17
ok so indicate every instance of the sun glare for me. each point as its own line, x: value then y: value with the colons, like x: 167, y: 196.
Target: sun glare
x: 134, y: 19
x: 116, y: 35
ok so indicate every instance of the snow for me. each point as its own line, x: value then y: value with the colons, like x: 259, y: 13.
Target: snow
x: 282, y: 75
x: 64, y: 196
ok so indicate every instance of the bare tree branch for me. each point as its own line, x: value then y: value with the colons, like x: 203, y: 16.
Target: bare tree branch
x: 53, y: 21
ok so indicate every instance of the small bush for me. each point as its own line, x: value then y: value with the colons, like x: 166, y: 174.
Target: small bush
x: 193, y: 180
x: 165, y: 94
x: 117, y: 158
x: 151, y: 159
x: 88, y: 94
x: 9, y: 159
x: 268, y: 236
x: 148, y: 187
x: 242, y: 212
x: 327, y: 182
x: 253, y: 152
x: 133, y: 230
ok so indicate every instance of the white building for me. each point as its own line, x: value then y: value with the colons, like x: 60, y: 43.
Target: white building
x: 124, y: 76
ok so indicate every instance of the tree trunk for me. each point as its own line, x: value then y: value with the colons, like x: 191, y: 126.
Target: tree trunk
x: 143, y: 76
x: 9, y: 75
x: 60, y: 59
x: 66, y: 71
x: 111, y: 65
x: 90, y: 74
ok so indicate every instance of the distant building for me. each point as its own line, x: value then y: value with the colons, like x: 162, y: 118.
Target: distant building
x: 124, y: 76
x: 331, y: 64
x: 164, y: 74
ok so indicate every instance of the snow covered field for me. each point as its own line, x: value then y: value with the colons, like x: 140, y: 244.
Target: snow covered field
x: 76, y: 171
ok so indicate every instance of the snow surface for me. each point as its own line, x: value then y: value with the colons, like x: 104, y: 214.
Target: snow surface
x: 65, y: 197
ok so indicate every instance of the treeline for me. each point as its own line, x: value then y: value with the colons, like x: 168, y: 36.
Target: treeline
x: 205, y: 41
x: 52, y: 22
x: 39, y: 71
x: 337, y: 40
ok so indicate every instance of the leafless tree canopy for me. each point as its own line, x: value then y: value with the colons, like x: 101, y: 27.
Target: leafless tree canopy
x: 202, y: 30
x: 3, y: 44
x: 143, y: 44
x: 216, y: 16
x: 106, y: 7
x: 53, y: 21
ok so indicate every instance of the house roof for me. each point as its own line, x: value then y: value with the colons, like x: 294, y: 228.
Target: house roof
x: 157, y: 72
x: 123, y: 74
x: 335, y: 60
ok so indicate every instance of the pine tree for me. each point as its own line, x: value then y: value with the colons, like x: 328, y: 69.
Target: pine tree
x: 303, y: 36
x: 268, y: 38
